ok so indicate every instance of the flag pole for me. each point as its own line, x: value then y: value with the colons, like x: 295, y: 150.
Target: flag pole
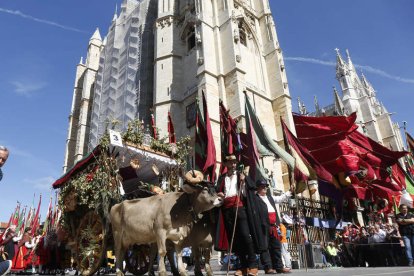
x: 234, y: 225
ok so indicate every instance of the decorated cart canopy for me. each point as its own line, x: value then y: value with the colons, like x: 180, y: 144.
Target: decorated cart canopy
x: 131, y: 160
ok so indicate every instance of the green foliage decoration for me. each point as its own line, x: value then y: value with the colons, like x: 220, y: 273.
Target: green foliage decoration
x: 96, y: 186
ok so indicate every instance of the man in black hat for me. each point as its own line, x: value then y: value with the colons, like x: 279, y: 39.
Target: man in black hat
x: 231, y: 187
x: 272, y: 258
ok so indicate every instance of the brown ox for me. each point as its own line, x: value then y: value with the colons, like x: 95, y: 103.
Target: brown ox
x: 157, y: 219
x: 200, y: 239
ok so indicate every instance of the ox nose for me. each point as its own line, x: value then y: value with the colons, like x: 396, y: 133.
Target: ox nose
x: 218, y: 202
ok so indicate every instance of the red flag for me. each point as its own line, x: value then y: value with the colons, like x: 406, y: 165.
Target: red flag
x: 336, y: 144
x: 154, y: 128
x: 171, y: 132
x: 8, y: 224
x: 302, y: 154
x: 34, y: 224
x: 374, y: 153
x: 15, y: 220
x: 230, y: 140
x: 205, y: 150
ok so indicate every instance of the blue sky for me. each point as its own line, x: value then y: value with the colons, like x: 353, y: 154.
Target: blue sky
x: 42, y: 41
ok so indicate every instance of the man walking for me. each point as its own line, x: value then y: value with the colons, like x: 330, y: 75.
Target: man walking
x: 405, y: 222
x: 231, y: 187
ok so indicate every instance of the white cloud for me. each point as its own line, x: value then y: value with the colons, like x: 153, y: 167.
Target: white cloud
x: 365, y: 68
x: 26, y: 16
x: 27, y: 88
x: 311, y: 60
x: 42, y: 183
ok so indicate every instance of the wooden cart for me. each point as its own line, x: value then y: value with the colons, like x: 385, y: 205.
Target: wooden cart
x: 94, y: 184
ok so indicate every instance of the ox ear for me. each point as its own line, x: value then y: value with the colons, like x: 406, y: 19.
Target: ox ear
x: 189, y: 189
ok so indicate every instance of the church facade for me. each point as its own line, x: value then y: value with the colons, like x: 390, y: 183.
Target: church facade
x: 222, y: 48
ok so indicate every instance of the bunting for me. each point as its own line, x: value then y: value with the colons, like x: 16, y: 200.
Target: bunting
x: 205, y: 150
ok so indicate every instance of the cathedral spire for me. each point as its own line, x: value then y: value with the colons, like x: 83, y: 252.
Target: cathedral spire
x: 302, y: 107
x: 340, y: 65
x: 350, y: 63
x: 96, y: 36
x: 317, y: 108
x: 367, y: 86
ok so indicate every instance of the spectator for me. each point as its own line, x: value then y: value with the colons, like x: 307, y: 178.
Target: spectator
x: 324, y: 254
x: 332, y: 255
x: 285, y: 251
x: 405, y: 222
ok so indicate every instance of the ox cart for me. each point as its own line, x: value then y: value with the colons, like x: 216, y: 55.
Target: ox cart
x: 106, y: 176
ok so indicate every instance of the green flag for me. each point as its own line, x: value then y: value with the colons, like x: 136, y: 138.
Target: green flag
x: 265, y: 145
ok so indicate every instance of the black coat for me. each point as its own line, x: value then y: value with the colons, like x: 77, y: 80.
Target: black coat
x: 258, y: 218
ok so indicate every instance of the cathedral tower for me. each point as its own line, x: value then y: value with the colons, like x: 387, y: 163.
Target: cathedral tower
x: 223, y: 48
x: 83, y: 93
x: 159, y: 55
x: 359, y: 96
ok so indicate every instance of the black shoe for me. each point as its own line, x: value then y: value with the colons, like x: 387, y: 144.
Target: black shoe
x: 5, y: 267
x: 283, y: 270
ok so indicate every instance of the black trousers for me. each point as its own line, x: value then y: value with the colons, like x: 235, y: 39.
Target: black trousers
x: 272, y: 258
x: 243, y: 243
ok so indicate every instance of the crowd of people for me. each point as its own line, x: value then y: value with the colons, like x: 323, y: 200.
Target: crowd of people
x: 25, y: 249
x: 378, y: 244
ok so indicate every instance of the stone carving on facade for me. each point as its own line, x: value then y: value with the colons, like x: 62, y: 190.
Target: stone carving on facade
x: 165, y: 22
x: 198, y: 38
x: 200, y: 61
x: 236, y: 35
x: 238, y: 58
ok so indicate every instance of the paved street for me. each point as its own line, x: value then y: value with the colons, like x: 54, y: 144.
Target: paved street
x: 357, y: 271
x: 347, y: 271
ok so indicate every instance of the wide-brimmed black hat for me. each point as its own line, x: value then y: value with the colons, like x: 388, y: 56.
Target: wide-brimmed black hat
x: 262, y: 182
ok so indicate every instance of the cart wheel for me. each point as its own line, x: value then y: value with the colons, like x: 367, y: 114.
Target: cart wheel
x: 137, y: 259
x: 90, y: 243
